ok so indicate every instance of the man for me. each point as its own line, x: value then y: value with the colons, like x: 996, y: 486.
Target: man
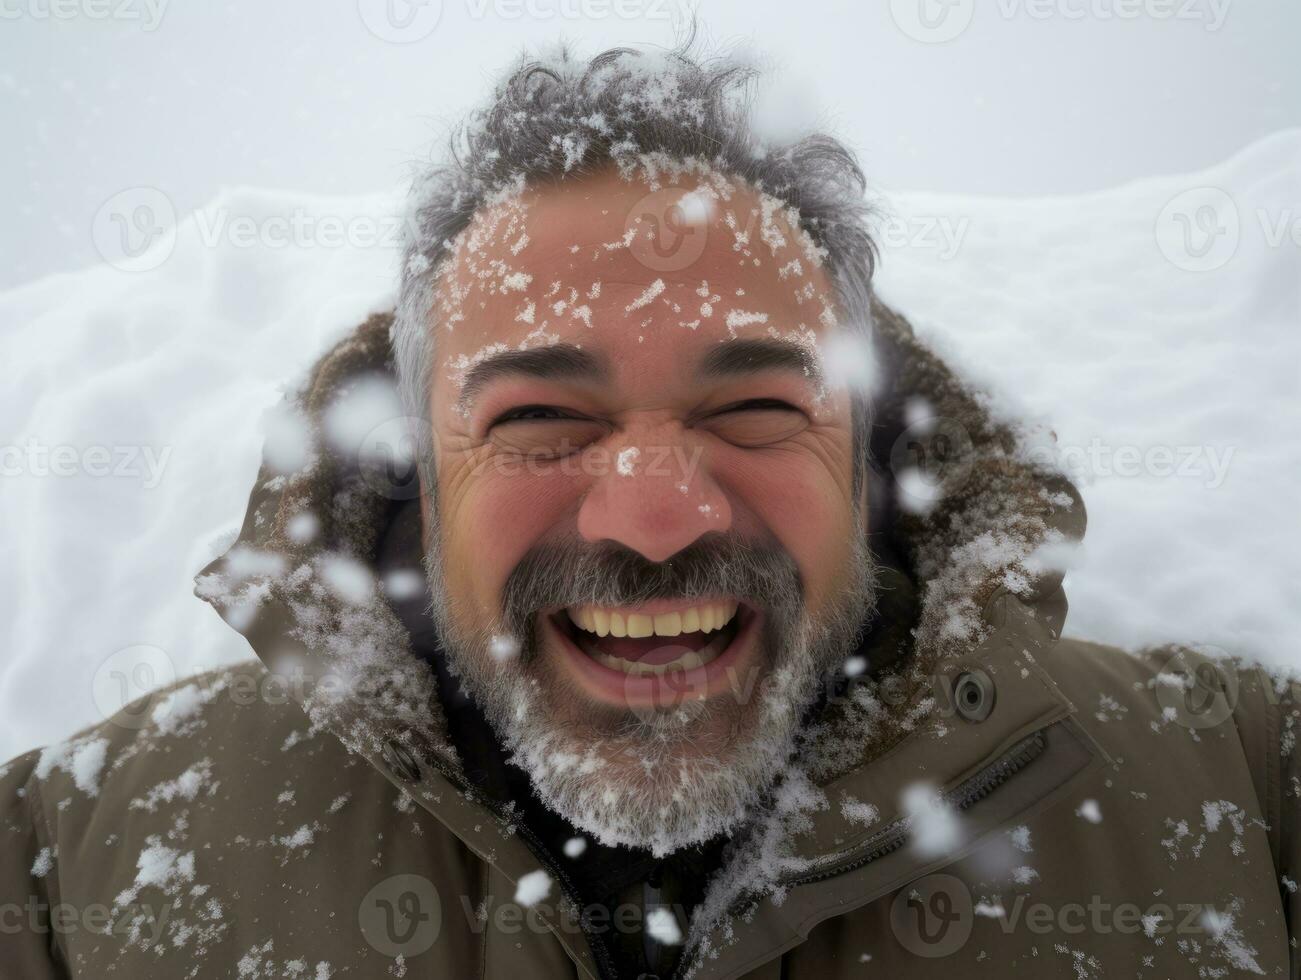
x: 689, y: 617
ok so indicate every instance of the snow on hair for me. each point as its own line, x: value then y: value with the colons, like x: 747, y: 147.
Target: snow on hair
x: 559, y: 116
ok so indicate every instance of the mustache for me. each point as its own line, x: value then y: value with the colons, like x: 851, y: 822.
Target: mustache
x: 572, y: 572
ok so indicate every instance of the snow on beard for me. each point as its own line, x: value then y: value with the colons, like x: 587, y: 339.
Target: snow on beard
x: 648, y: 778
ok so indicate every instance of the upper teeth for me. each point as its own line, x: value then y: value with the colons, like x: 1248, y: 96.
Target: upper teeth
x: 704, y: 618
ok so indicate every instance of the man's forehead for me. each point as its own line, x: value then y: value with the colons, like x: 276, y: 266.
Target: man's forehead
x: 608, y: 258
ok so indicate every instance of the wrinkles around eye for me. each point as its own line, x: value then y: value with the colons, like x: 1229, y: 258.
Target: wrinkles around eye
x: 756, y: 423
x: 542, y: 431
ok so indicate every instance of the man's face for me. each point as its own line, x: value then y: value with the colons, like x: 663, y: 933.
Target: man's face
x: 648, y: 543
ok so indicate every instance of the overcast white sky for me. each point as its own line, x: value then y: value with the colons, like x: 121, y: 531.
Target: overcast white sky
x: 1029, y: 96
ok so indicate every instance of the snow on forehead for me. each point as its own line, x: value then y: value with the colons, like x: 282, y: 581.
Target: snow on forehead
x: 538, y: 265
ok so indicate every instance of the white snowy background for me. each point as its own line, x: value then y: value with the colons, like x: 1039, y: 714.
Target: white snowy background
x: 1099, y: 216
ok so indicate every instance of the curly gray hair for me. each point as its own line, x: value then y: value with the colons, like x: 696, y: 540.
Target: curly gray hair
x: 562, y: 117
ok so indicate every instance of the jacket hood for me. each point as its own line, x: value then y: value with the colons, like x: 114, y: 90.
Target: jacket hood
x: 958, y: 494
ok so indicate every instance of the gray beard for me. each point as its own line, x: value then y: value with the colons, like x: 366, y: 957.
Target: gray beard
x: 659, y: 779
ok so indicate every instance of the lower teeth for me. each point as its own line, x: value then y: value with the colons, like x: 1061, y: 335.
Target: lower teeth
x: 688, y: 661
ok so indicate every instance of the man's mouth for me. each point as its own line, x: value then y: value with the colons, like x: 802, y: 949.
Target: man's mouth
x: 654, y: 642
x: 657, y: 654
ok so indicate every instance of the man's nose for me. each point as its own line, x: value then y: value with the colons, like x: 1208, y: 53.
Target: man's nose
x: 656, y: 498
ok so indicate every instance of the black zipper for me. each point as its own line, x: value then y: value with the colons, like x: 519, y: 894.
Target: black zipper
x: 604, y: 962
x: 962, y: 797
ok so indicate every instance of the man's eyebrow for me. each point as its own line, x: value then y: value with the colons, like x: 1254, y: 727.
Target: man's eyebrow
x: 751, y: 356
x: 555, y: 361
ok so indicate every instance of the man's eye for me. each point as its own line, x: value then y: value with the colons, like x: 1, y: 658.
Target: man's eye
x: 761, y: 404
x: 756, y: 422
x: 529, y: 413
x: 544, y: 431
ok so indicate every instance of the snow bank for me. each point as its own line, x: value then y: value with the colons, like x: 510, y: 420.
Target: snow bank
x: 134, y: 404
x: 1169, y: 366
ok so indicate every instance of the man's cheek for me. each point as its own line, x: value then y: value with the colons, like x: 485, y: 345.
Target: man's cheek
x: 808, y: 514
x: 506, y: 515
x: 790, y: 494
x: 541, y: 497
